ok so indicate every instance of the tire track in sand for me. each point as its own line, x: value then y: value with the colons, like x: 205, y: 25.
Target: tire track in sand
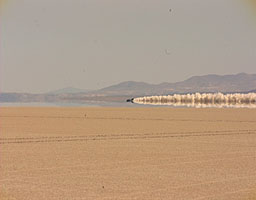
x: 80, y: 138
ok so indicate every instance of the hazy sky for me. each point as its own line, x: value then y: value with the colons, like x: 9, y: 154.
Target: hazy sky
x: 90, y: 44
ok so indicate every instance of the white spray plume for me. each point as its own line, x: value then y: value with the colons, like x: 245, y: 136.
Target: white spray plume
x: 201, y: 100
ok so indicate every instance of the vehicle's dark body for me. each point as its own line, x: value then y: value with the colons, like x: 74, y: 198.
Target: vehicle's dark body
x: 130, y: 100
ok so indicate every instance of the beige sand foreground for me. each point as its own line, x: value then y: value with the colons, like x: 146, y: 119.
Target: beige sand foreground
x: 127, y: 153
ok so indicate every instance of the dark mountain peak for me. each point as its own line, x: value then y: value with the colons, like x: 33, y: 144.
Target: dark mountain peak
x: 215, y: 77
x: 131, y: 83
x: 127, y: 85
x: 242, y: 74
x: 241, y: 82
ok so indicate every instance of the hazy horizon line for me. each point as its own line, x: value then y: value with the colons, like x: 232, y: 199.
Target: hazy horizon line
x: 136, y: 81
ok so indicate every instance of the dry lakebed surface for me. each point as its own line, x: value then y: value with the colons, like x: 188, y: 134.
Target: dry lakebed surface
x: 127, y: 153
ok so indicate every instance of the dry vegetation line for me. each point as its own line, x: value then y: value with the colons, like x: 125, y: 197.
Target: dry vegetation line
x: 124, y: 118
x: 48, y: 139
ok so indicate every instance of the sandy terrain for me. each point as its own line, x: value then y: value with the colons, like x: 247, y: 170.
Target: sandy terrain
x: 127, y: 153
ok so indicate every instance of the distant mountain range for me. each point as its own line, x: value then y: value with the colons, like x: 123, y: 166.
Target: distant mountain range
x: 209, y: 83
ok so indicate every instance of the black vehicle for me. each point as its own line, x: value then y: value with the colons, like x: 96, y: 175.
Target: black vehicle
x: 130, y: 100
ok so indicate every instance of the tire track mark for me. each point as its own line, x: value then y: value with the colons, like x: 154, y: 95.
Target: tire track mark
x: 123, y: 136
x: 127, y: 118
x: 128, y: 134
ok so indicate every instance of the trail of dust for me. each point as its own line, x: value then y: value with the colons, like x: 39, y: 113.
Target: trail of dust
x: 218, y: 100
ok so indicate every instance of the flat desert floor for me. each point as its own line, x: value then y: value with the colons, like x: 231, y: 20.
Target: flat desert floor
x: 127, y: 153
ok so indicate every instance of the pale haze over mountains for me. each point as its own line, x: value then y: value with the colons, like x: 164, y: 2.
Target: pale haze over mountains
x: 208, y: 83
x: 68, y: 90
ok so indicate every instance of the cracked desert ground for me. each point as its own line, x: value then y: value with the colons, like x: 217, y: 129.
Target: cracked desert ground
x: 127, y: 153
